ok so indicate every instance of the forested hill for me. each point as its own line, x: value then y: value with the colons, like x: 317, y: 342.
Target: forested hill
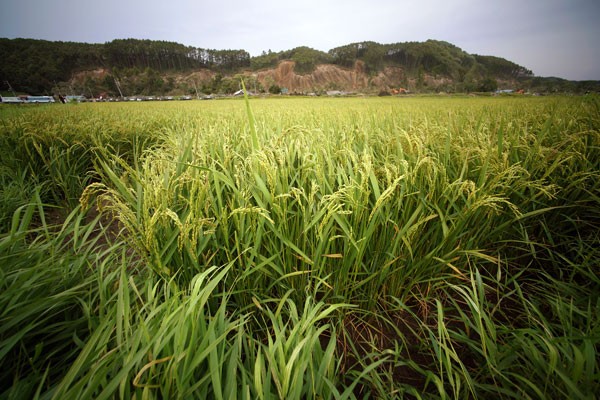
x: 38, y: 66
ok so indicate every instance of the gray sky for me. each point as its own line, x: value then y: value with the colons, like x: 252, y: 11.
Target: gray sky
x: 551, y: 37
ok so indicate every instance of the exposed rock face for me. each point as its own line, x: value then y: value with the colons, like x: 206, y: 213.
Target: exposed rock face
x: 325, y: 77
x: 328, y: 76
x: 99, y: 73
x: 388, y: 78
x: 198, y: 77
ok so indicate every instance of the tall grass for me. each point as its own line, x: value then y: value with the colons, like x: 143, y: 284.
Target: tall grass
x: 250, y: 239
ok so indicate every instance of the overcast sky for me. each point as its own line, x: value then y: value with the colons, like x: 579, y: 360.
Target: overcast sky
x: 551, y: 37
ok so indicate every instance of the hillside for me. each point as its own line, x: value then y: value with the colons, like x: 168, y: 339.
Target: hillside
x: 137, y: 67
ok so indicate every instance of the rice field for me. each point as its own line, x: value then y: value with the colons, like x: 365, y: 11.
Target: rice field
x: 299, y: 248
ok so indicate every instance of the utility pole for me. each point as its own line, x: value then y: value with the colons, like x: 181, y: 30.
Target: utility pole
x: 119, y: 87
x: 196, y: 88
x: 90, y: 91
x: 57, y: 88
x: 10, y: 88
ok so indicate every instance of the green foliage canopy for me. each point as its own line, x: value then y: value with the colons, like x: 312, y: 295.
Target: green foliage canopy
x: 39, y: 66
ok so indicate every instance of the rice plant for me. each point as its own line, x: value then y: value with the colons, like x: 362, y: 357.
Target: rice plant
x: 301, y: 248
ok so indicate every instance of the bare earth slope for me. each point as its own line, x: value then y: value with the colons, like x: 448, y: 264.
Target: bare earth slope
x: 323, y: 78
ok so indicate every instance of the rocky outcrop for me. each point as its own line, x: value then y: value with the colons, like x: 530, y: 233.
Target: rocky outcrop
x: 328, y: 76
x: 324, y: 77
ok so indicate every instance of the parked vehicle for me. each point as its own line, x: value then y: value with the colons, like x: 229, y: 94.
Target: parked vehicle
x: 10, y: 100
x: 39, y: 99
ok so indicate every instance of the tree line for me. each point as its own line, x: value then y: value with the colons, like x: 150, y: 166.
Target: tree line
x: 36, y: 66
x: 39, y: 66
x: 433, y: 56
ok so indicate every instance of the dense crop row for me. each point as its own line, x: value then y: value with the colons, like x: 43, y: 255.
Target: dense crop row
x: 301, y: 248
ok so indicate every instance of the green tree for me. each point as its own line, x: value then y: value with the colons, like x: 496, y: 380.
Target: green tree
x: 489, y: 84
x: 265, y: 60
x: 374, y: 57
x: 306, y: 59
x: 274, y: 89
x: 152, y: 82
x: 215, y: 85
x: 420, y: 78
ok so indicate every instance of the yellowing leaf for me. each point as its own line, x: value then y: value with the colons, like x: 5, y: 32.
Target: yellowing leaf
x: 335, y: 255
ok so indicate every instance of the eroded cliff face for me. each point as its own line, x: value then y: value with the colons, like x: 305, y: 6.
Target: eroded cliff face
x: 334, y: 77
x: 357, y: 79
x: 99, y: 73
x: 324, y: 77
